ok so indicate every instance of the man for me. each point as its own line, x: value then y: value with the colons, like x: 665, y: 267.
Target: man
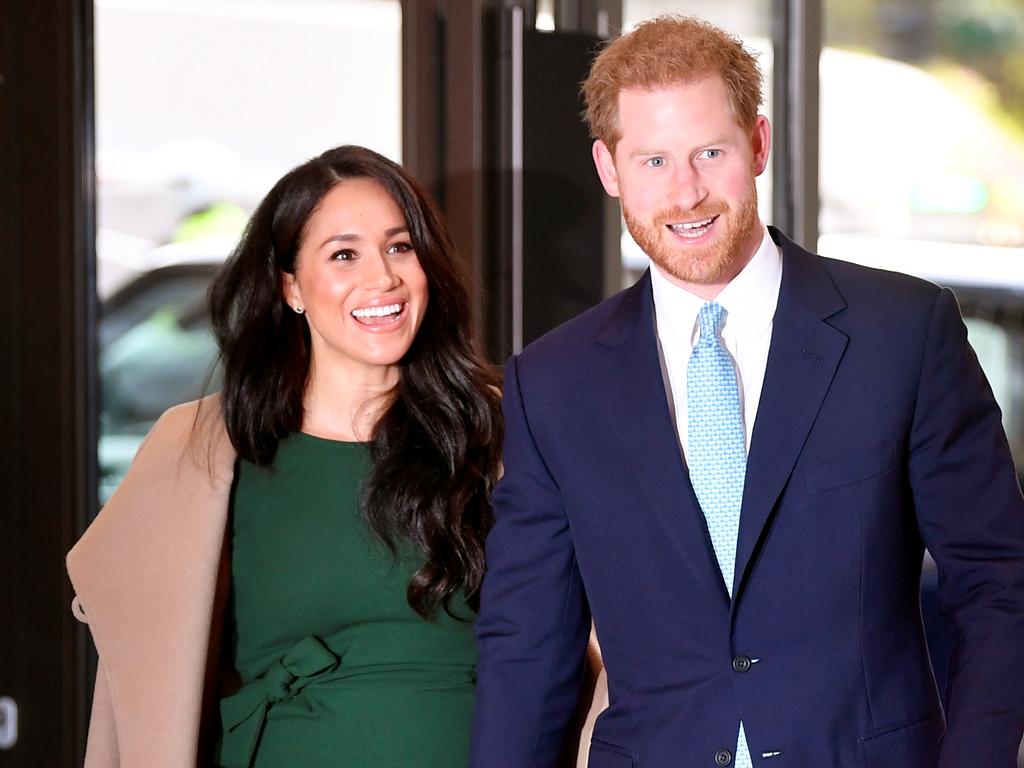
x: 734, y: 467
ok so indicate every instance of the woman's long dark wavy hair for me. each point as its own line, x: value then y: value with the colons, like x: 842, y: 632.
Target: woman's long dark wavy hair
x: 436, y: 447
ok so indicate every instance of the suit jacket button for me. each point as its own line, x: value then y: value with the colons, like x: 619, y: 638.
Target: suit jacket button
x: 723, y: 757
x: 741, y: 663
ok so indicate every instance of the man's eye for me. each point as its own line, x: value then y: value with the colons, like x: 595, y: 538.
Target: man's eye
x: 712, y: 154
x: 656, y: 162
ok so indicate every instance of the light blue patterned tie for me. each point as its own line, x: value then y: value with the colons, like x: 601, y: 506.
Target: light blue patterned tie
x: 716, y: 452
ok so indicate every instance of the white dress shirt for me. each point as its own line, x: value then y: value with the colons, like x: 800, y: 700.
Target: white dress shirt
x: 749, y: 301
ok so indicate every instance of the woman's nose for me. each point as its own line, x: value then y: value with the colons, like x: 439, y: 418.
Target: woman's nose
x: 380, y: 274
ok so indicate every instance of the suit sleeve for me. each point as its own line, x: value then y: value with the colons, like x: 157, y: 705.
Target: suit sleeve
x: 534, y: 620
x: 971, y: 517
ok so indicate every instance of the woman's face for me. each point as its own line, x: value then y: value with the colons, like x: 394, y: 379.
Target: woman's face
x: 358, y: 279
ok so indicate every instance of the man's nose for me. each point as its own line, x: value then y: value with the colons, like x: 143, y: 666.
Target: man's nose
x: 687, y: 189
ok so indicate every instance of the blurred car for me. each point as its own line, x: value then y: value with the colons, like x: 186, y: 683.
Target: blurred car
x: 156, y: 350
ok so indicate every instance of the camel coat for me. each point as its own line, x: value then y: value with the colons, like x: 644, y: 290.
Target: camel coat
x: 150, y: 580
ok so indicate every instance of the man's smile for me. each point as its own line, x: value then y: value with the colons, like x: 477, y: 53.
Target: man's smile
x: 693, y: 230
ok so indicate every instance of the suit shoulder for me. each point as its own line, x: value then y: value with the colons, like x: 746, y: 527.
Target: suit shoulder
x: 574, y: 339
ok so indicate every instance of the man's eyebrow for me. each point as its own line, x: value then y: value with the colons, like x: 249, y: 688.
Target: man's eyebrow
x: 641, y: 151
x: 349, y: 237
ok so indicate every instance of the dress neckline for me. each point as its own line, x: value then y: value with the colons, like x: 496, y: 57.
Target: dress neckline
x: 330, y: 440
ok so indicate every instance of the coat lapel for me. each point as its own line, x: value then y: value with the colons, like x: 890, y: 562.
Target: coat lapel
x: 802, y: 360
x: 637, y: 405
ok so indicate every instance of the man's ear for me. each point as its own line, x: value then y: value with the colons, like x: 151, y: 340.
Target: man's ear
x: 761, y: 143
x: 605, y: 164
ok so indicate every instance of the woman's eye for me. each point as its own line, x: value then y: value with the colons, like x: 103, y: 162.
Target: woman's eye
x: 343, y: 255
x: 400, y: 247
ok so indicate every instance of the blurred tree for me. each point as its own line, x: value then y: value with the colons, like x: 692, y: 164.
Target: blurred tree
x: 986, y: 36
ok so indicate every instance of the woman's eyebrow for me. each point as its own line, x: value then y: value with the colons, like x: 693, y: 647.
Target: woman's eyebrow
x: 351, y: 237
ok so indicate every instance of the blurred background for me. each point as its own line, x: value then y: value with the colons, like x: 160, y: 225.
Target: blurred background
x: 137, y: 136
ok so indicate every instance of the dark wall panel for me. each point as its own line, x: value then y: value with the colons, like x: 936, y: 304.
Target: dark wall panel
x: 46, y: 233
x: 564, y: 266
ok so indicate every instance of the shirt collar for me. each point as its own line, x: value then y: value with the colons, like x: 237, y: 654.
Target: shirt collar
x: 749, y: 299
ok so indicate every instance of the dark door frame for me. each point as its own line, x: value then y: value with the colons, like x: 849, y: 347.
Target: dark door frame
x: 47, y: 384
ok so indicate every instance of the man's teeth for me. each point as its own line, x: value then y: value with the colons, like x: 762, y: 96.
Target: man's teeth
x: 692, y: 229
x: 387, y: 309
x: 692, y: 225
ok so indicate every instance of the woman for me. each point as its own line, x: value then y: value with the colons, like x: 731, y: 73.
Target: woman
x: 355, y: 444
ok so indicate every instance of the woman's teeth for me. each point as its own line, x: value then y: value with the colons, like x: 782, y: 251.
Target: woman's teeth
x: 387, y: 309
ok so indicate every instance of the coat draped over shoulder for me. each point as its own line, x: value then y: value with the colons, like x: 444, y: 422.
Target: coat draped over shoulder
x: 150, y: 579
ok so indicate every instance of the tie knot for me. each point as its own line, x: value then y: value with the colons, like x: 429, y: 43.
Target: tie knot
x: 711, y: 315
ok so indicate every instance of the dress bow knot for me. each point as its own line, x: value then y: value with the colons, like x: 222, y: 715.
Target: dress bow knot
x: 245, y: 713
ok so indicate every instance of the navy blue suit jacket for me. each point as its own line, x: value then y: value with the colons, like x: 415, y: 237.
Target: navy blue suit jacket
x: 876, y: 435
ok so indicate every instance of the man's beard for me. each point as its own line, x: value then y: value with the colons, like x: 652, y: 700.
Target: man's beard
x: 700, y: 264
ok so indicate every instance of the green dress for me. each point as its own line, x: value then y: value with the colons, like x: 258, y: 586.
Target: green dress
x: 336, y: 668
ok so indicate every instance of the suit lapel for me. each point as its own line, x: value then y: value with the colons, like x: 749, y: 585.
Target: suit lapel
x: 636, y: 402
x: 802, y: 360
